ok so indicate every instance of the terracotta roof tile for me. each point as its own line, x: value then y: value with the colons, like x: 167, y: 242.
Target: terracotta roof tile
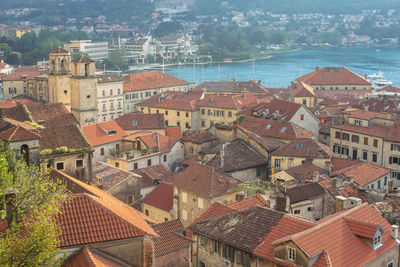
x: 86, y: 219
x: 69, y: 136
x: 82, y: 59
x: 286, y: 109
x: 366, y: 115
x: 237, y: 155
x: 161, y: 197
x: 174, y: 133
x: 365, y: 173
x: 151, y: 176
x: 332, y: 76
x: 337, y: 239
x: 275, y: 129
x: 303, y: 90
x: 303, y: 172
x: 256, y: 200
x: 150, y: 80
x: 362, y: 228
x: 60, y: 50
x: 103, y: 133
x: 12, y: 103
x: 267, y: 143
x: 200, y: 137
x: 29, y: 72
x: 304, y: 147
x: 141, y: 121
x: 232, y: 87
x: 206, y: 181
x: 172, y: 238
x: 16, y: 131
x: 305, y: 192
x: 51, y: 114
x: 376, y: 130
x: 110, y: 175
x: 288, y: 225
x: 215, y: 210
x: 244, y: 229
x: 88, y: 257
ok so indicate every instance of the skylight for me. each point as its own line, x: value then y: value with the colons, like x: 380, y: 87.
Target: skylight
x: 134, y: 123
x: 268, y: 126
x: 283, y: 129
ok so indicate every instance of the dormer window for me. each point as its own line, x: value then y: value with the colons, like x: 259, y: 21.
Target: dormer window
x: 111, y: 132
x: 291, y: 254
x: 377, y: 240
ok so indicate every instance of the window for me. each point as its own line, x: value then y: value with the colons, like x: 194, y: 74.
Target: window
x: 302, y: 117
x: 187, y: 125
x: 79, y: 163
x: 304, y: 102
x: 354, y: 138
x: 390, y: 264
x: 385, y: 181
x: 166, y: 112
x: 178, y: 113
x: 119, y: 91
x: 203, y: 124
x: 366, y: 141
x: 374, y: 157
x: 149, y: 162
x: 130, y: 199
x: 291, y: 254
x: 60, y: 166
x: 239, y: 257
x: 310, y: 209
x: 372, y: 186
x: 203, y: 111
x: 395, y: 147
x: 345, y: 151
x: 178, y: 123
x: 375, y: 142
x: 165, y: 158
x: 146, y: 212
x: 102, y: 151
x: 277, y: 163
x: 104, y: 93
x: 336, y: 149
x: 394, y: 160
x: 379, y: 184
x: 165, y: 219
x: 200, y: 203
x: 208, y: 112
x: 119, y: 105
x: 296, y: 212
x: 104, y: 107
x: 230, y: 114
x: 184, y: 197
x: 117, y: 164
x: 215, y: 245
x: 202, y: 241
x: 258, y: 172
x: 117, y: 147
x: 228, y: 252
x: 211, y: 123
x: 187, y: 114
x: 111, y: 92
x: 166, y: 123
x: 148, y: 94
x: 135, y: 166
x: 377, y: 239
x: 365, y: 155
x: 345, y: 136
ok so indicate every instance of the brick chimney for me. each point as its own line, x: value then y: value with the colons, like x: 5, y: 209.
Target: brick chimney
x: 316, y: 68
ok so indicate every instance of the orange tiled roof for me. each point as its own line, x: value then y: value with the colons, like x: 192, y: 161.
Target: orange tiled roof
x: 13, y: 131
x: 174, y: 133
x: 376, y: 130
x: 206, y: 181
x: 86, y: 219
x: 362, y: 228
x: 98, y: 134
x: 365, y: 173
x: 161, y: 197
x: 200, y: 137
x: 150, y: 80
x: 304, y: 147
x: 256, y: 200
x: 141, y: 121
x: 172, y: 238
x: 366, y: 115
x: 335, y: 237
x: 88, y: 257
x: 333, y: 76
x: 274, y: 128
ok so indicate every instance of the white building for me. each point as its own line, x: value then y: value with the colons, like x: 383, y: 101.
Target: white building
x: 110, y: 97
x: 95, y: 50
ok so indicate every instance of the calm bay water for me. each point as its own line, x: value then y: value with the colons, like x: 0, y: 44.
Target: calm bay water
x: 281, y: 69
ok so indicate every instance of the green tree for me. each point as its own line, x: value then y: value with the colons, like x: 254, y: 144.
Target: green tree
x: 31, y: 236
x: 117, y: 60
x: 6, y: 49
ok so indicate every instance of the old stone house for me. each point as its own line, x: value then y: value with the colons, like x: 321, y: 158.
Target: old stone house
x: 197, y: 142
x: 197, y: 187
x: 137, y: 122
x: 158, y: 204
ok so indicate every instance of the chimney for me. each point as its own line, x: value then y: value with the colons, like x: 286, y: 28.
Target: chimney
x: 316, y: 68
x: 365, y: 76
x: 353, y: 202
x: 255, y: 129
x: 315, y: 177
x: 259, y: 81
x: 394, y: 231
x: 341, y: 203
x: 10, y: 197
x: 366, y: 107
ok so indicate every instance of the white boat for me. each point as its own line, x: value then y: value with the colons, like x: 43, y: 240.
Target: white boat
x: 378, y: 81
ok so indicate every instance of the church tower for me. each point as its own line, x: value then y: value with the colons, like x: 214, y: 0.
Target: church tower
x: 84, y: 90
x: 60, y: 72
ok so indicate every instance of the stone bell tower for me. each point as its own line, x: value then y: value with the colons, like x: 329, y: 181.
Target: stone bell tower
x: 83, y: 84
x: 60, y: 72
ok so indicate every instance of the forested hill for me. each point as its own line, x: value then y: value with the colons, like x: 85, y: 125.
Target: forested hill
x: 51, y: 12
x: 296, y: 6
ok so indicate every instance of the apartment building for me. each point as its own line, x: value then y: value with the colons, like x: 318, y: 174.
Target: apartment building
x: 110, y: 97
